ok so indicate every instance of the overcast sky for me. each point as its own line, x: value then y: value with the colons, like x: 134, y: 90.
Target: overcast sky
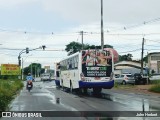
x: 56, y: 23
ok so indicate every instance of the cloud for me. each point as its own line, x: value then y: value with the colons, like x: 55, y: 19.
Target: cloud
x: 88, y: 11
x: 121, y: 11
x: 10, y: 4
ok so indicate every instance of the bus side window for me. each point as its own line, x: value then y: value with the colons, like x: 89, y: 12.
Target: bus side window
x: 73, y: 63
x: 57, y: 73
x: 70, y: 65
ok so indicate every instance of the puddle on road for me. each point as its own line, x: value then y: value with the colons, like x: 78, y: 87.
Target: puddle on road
x: 54, y: 100
x: 138, y: 104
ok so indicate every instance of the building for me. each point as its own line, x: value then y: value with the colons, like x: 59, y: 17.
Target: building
x: 154, y: 62
x: 128, y: 67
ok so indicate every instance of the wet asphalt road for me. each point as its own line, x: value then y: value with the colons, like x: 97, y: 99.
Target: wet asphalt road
x: 44, y: 95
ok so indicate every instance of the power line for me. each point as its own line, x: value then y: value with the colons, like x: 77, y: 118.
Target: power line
x: 153, y: 40
x: 46, y: 57
x: 107, y: 31
x: 131, y: 51
x: 136, y: 25
x: 152, y: 45
x: 10, y: 49
x: 124, y: 34
x: 125, y: 46
x: 8, y: 54
x: 17, y: 49
x: 52, y: 50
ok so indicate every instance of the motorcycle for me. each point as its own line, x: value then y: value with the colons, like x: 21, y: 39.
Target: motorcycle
x: 29, y: 85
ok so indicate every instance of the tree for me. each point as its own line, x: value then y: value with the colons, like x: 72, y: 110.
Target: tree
x: 127, y: 57
x: 74, y: 47
x: 145, y: 59
x: 42, y: 70
x: 33, y: 68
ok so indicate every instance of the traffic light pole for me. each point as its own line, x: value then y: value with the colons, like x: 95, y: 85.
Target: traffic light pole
x: 19, y: 62
x: 27, y: 51
x: 19, y: 57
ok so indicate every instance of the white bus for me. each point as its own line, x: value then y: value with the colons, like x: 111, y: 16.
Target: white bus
x: 87, y: 69
x: 57, y: 74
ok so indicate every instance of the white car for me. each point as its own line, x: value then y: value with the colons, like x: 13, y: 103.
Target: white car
x: 155, y: 77
x: 125, y: 79
x: 45, y: 77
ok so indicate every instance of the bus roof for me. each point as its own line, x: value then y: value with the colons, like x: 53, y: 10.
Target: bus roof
x: 71, y: 56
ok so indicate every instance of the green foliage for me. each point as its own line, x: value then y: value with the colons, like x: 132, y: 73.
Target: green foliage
x: 127, y: 57
x: 154, y: 81
x: 8, y: 89
x: 35, y: 67
x: 116, y: 85
x: 42, y: 70
x: 5, y: 77
x: 74, y: 47
x: 155, y: 88
x: 145, y: 59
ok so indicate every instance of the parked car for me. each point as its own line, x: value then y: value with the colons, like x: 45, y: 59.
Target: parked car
x: 140, y: 79
x: 116, y: 75
x: 155, y: 76
x: 125, y: 73
x: 125, y: 79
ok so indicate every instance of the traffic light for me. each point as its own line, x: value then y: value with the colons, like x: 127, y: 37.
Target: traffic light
x: 27, y: 50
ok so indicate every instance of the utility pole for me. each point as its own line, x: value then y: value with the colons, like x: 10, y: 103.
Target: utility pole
x: 31, y: 68
x: 82, y: 40
x: 22, y: 69
x: 35, y: 72
x: 142, y: 56
x: 102, y: 35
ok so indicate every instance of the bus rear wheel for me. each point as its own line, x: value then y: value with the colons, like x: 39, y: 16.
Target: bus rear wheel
x: 97, y: 91
x: 71, y: 87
